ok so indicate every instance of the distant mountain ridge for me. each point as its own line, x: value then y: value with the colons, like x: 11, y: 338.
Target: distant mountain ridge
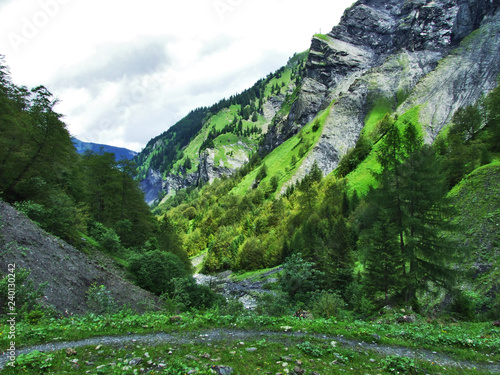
x: 120, y: 153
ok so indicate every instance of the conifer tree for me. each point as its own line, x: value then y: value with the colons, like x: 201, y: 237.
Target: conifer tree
x: 411, y: 197
x: 383, y: 261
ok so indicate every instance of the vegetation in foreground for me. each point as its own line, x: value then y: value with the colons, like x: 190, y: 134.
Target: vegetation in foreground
x: 340, y: 346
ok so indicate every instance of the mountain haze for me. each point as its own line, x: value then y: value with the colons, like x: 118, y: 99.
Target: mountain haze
x: 119, y: 152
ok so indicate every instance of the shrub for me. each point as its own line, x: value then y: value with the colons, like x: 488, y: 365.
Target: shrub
x: 35, y: 360
x: 156, y: 270
x: 316, y: 126
x: 299, y: 278
x: 311, y: 349
x: 273, y: 304
x: 27, y: 294
x: 399, y: 365
x: 34, y: 317
x: 464, y: 305
x: 108, y: 239
x: 328, y: 304
x: 99, y: 299
x: 192, y: 295
x: 110, y: 242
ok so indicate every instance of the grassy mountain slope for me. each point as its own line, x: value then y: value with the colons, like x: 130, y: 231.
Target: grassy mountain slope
x: 477, y: 199
x: 215, y: 141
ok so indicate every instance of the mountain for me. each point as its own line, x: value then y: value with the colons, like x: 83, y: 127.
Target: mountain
x: 302, y: 173
x: 120, y: 153
x: 216, y: 141
x: 428, y: 58
x: 417, y: 58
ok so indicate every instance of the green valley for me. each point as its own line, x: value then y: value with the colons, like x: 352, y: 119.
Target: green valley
x: 339, y: 216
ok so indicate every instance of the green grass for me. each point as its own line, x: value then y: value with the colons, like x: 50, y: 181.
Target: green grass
x: 377, y: 113
x: 477, y: 199
x: 361, y: 179
x: 254, y: 275
x: 279, y: 161
x: 252, y: 356
x: 323, y: 37
x: 478, y: 342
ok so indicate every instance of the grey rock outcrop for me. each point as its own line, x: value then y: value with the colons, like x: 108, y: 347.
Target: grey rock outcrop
x: 436, y: 55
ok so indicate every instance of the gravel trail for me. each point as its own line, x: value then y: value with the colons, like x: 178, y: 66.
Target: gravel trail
x: 217, y: 335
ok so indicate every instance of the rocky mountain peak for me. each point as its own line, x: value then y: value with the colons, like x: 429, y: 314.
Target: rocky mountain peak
x: 404, y: 54
x: 386, y: 26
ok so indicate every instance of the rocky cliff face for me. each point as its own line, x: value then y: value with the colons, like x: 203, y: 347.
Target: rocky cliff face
x: 434, y: 55
x: 386, y: 56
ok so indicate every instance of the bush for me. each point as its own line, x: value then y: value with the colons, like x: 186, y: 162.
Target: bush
x: 273, y: 304
x: 399, y: 365
x: 299, y: 278
x: 156, y: 270
x: 108, y: 240
x: 464, y: 305
x: 34, y: 317
x: 193, y: 295
x: 328, y: 304
x: 34, y: 361
x: 99, y: 300
x: 27, y: 294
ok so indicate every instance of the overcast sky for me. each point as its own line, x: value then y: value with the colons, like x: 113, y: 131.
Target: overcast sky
x: 125, y: 71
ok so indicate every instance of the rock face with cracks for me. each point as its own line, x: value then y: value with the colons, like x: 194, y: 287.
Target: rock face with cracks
x: 434, y: 55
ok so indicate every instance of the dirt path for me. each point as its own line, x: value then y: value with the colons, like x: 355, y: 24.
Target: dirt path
x: 217, y: 335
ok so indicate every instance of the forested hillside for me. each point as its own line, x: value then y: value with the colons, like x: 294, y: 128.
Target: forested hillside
x: 354, y: 172
x: 213, y: 142
x: 91, y: 201
x: 350, y: 201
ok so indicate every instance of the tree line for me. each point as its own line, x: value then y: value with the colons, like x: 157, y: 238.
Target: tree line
x: 91, y: 201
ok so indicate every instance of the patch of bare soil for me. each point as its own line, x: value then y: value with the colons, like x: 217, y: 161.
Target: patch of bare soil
x: 68, y: 272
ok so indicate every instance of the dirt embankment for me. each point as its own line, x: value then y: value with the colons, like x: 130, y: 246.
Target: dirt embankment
x: 68, y: 272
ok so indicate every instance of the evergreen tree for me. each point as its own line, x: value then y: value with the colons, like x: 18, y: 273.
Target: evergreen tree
x: 383, y: 261
x: 412, y: 196
x: 170, y: 241
x: 254, y: 117
x: 261, y: 174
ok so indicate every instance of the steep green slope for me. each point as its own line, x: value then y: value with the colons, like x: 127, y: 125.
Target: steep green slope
x: 477, y: 199
x: 215, y: 141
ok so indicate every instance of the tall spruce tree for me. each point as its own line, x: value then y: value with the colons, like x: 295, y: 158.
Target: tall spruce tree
x: 413, y: 213
x: 383, y: 263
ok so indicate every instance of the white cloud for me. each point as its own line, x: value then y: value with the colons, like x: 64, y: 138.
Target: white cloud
x: 125, y: 70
